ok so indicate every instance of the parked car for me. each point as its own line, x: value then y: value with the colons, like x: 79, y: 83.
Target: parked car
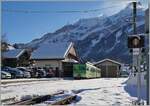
x: 41, y: 73
x: 15, y: 73
x: 25, y: 72
x: 34, y: 72
x: 124, y: 74
x: 5, y: 75
x: 50, y: 73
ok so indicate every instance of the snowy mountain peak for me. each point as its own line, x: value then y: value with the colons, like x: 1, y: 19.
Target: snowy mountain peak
x: 98, y: 37
x: 138, y: 6
x: 89, y: 22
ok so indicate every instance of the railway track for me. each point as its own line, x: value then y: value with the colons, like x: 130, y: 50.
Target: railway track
x: 66, y: 100
x: 8, y: 100
x: 51, y: 99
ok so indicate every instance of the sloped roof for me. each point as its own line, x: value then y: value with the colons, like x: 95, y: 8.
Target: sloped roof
x: 51, y: 51
x: 70, y: 60
x: 15, y: 53
x: 107, y: 60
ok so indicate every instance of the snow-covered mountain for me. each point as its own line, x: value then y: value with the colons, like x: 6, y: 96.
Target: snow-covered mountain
x: 99, y: 37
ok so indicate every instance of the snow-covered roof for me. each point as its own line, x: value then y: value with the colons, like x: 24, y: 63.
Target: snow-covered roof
x: 70, y: 60
x: 51, y: 51
x: 10, y: 47
x: 15, y: 53
x: 89, y: 63
x: 107, y: 60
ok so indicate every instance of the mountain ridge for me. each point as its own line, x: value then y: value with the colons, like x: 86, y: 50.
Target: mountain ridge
x: 98, y: 37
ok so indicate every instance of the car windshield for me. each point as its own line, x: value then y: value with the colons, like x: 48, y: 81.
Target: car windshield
x: 124, y: 72
x: 17, y: 71
x: 21, y: 69
x: 3, y: 72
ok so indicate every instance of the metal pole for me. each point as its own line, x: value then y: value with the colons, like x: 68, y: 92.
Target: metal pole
x: 136, y: 64
x: 148, y: 58
x: 147, y: 28
x: 148, y: 78
x: 148, y: 82
x: 136, y: 58
x: 134, y: 17
x: 139, y: 76
x: 134, y: 32
x: 148, y: 71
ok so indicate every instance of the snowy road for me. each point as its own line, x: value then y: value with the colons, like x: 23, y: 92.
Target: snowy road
x: 102, y: 91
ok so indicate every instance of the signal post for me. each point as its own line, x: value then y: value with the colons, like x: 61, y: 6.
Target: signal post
x: 135, y: 43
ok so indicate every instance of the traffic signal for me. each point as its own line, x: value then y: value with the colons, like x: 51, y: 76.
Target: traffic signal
x: 135, y: 41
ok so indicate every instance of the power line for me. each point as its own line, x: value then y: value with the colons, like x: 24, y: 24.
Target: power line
x: 61, y: 11
x: 66, y: 0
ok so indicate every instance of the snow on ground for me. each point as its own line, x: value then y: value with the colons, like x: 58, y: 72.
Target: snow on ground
x: 131, y: 85
x: 102, y: 91
x: 133, y: 79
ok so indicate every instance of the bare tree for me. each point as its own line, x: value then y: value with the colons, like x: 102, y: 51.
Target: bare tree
x: 4, y: 43
x: 4, y: 38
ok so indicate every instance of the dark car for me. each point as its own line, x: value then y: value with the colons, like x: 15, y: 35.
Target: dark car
x: 124, y: 74
x: 50, y: 73
x: 25, y: 72
x: 15, y: 73
x: 33, y: 72
x: 41, y: 73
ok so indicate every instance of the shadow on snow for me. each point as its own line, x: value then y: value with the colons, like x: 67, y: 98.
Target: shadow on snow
x: 132, y: 91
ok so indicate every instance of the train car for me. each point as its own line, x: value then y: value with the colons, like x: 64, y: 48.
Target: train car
x: 88, y: 70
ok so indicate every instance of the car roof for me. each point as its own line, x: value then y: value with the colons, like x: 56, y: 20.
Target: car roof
x: 4, y: 72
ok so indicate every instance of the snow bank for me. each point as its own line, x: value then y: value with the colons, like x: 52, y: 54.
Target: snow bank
x: 132, y: 80
x: 131, y: 86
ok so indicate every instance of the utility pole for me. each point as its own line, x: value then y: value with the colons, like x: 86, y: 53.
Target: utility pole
x: 137, y: 57
x: 134, y: 32
x: 136, y: 43
x: 148, y: 75
x: 147, y: 55
x: 134, y: 17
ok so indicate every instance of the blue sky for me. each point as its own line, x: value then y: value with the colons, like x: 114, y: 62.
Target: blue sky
x: 23, y: 27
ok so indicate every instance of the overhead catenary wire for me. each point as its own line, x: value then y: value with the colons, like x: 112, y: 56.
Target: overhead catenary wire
x: 57, y: 11
x: 65, y: 0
